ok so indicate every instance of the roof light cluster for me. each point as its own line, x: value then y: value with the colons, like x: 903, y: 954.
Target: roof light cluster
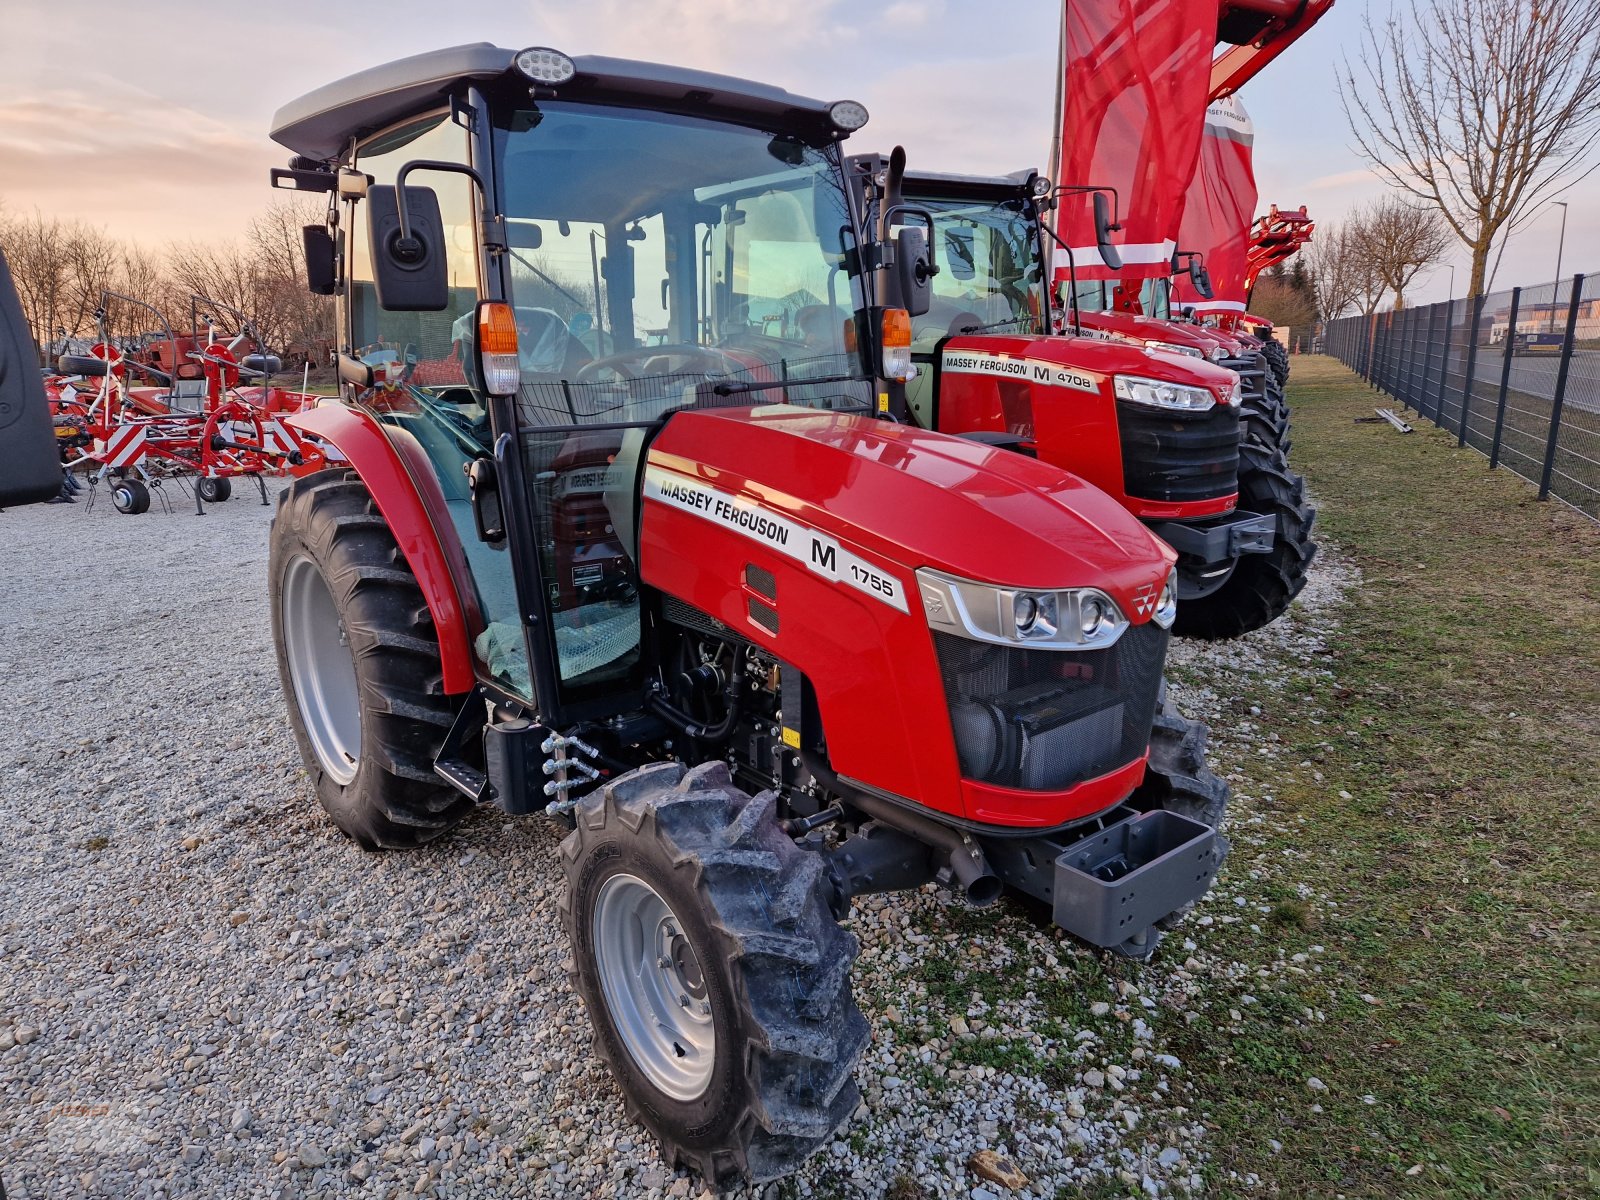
x: 847, y: 115
x: 544, y: 65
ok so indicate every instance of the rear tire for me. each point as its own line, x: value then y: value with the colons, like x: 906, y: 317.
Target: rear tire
x: 359, y: 661
x: 214, y: 490
x: 770, y: 981
x: 1261, y: 586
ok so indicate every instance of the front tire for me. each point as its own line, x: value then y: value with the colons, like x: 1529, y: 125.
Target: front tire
x: 129, y: 495
x: 1178, y: 780
x: 1260, y: 587
x: 680, y: 886
x: 359, y: 662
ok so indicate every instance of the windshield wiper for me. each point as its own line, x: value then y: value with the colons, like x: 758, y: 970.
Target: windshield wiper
x: 990, y: 325
x: 734, y: 387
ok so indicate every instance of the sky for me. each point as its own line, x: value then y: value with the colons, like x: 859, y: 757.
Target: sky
x: 150, y: 120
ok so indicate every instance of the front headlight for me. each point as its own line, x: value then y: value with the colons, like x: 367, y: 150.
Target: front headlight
x: 1167, y: 607
x: 1173, y: 348
x: 1219, y: 353
x: 1043, y: 619
x: 1158, y: 393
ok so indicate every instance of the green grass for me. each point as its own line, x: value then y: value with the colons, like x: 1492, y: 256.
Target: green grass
x: 1463, y: 719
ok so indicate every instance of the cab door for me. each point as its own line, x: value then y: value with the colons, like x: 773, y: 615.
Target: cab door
x: 425, y: 391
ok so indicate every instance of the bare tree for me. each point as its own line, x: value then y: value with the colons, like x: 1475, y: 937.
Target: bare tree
x: 1399, y: 241
x: 1338, y: 269
x: 1276, y: 298
x: 1483, y: 109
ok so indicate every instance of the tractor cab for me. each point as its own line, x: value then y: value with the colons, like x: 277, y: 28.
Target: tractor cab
x: 603, y: 244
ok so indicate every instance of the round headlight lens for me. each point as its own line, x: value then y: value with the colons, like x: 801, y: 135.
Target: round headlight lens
x: 1090, y: 613
x: 1025, y: 611
x: 544, y: 65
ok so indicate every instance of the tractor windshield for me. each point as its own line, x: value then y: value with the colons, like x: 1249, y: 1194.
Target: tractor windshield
x: 654, y: 257
x: 990, y: 272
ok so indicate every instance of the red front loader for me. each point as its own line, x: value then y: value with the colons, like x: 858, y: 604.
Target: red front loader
x: 625, y: 541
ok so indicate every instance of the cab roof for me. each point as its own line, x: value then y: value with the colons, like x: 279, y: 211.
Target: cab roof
x: 923, y: 182
x: 320, y: 124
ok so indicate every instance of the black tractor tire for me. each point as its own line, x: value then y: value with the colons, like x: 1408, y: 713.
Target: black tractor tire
x: 1261, y: 586
x: 1265, y: 431
x: 771, y: 962
x: 1277, y: 360
x: 129, y: 495
x: 214, y: 489
x: 393, y: 800
x: 1178, y: 780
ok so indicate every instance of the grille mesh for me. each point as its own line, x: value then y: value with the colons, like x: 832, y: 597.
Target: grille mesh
x: 1172, y: 457
x: 1045, y: 720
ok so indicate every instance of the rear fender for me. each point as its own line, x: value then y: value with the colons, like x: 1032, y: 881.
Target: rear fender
x: 400, y: 478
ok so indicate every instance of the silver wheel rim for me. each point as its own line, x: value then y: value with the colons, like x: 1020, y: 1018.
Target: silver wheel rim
x: 654, y: 989
x: 322, y: 669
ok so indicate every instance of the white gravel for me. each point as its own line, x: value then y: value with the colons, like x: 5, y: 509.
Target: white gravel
x: 205, y: 990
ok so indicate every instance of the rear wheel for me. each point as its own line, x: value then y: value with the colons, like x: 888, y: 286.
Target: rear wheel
x: 359, y: 661
x: 713, y: 970
x: 1259, y: 587
x: 129, y: 495
x: 215, y: 489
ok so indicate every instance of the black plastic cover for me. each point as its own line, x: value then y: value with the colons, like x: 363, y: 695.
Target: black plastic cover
x: 30, y: 464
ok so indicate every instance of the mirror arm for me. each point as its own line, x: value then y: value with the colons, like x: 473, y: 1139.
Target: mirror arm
x: 406, y: 246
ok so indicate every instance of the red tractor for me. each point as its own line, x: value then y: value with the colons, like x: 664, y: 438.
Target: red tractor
x: 1153, y: 416
x: 655, y: 562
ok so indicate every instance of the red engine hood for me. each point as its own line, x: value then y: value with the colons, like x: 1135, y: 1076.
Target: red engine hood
x: 1097, y: 359
x: 919, y: 498
x: 1150, y: 328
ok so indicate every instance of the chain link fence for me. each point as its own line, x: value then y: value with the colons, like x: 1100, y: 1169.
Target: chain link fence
x: 1514, y: 374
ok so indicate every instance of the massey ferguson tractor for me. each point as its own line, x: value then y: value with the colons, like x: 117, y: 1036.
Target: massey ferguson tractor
x: 1153, y: 423
x: 629, y: 537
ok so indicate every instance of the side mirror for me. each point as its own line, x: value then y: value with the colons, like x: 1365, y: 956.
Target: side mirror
x: 483, y: 481
x: 320, y: 275
x: 1200, y: 277
x: 1103, y: 227
x: 408, y: 267
x: 913, y: 259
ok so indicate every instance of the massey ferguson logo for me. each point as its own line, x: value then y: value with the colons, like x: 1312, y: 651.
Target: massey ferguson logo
x: 1144, y: 599
x: 1033, y: 370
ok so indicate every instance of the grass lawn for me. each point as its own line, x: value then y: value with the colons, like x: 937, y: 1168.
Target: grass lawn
x: 1450, y: 819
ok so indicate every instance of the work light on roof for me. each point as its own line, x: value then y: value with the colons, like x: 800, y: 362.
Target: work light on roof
x: 544, y: 65
x: 1040, y: 187
x: 847, y: 115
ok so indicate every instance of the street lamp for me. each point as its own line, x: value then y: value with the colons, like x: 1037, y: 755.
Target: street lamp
x: 1452, y: 295
x: 1560, y: 245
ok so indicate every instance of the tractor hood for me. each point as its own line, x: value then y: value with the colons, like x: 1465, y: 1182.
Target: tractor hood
x: 916, y: 498
x: 1145, y: 329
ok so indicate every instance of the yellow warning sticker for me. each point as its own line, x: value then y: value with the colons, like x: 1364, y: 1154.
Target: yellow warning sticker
x: 791, y: 738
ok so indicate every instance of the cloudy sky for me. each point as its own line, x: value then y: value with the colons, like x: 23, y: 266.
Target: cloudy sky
x: 151, y: 119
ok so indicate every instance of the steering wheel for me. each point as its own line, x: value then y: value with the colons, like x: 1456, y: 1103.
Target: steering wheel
x: 683, y: 358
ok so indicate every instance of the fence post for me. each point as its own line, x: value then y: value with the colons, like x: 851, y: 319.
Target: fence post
x: 1386, y: 365
x: 1406, y: 367
x: 1467, y: 380
x: 1444, y: 363
x: 1427, y: 363
x: 1561, y: 386
x: 1505, y: 379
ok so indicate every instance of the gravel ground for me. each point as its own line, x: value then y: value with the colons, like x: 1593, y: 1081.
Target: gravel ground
x: 207, y: 991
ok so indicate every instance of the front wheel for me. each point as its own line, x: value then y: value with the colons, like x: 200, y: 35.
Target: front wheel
x: 1257, y: 588
x: 359, y: 661
x: 713, y: 971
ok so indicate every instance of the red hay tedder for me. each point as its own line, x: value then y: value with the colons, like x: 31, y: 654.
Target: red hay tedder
x: 194, y: 419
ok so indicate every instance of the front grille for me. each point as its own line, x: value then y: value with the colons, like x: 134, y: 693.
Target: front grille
x: 1175, y: 457
x: 1045, y: 720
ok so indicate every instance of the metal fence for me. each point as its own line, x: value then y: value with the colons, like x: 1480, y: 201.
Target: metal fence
x: 1515, y: 375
